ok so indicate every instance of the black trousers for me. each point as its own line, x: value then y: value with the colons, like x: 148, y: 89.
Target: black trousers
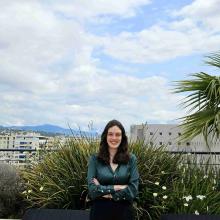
x: 111, y: 210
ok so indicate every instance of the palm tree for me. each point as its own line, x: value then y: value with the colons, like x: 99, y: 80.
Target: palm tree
x: 203, y: 103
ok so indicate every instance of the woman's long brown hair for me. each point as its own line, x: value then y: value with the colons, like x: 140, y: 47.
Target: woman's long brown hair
x: 122, y: 155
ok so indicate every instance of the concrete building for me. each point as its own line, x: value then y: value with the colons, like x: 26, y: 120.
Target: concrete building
x: 169, y: 135
x: 19, y: 140
x: 25, y: 140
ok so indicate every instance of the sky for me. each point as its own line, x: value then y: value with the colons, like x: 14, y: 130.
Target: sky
x: 81, y: 62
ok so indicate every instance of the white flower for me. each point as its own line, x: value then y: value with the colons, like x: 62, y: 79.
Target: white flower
x: 165, y: 197
x: 207, y: 208
x: 205, y: 177
x: 157, y: 183
x: 41, y: 188
x: 29, y: 191
x: 196, y: 212
x: 162, y: 172
x: 180, y: 165
x: 186, y: 204
x: 213, y: 188
x: 24, y: 192
x: 164, y: 187
x: 187, y: 198
x: 201, y: 197
x: 189, y: 154
x: 155, y: 194
x: 214, y: 181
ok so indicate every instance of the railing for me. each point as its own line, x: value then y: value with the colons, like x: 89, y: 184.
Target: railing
x: 202, y: 158
x: 27, y: 157
x: 195, y: 152
x: 22, y: 149
x: 200, y: 154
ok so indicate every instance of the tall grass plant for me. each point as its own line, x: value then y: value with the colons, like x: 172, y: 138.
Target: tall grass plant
x: 168, y: 183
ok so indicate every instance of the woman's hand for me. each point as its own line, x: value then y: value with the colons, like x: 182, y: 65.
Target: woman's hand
x: 95, y: 181
x: 108, y: 196
x: 116, y: 187
x: 119, y: 187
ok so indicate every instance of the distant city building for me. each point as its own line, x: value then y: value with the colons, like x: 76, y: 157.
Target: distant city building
x: 169, y: 135
x: 24, y: 141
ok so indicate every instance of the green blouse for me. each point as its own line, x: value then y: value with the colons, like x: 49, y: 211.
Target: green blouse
x: 125, y: 174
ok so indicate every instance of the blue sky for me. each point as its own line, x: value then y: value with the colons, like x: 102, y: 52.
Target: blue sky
x: 76, y: 62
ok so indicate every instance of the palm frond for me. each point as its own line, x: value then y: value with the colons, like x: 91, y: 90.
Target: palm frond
x: 202, y: 103
x: 213, y: 59
x: 206, y: 122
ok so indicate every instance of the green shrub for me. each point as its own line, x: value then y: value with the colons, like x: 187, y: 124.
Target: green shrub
x: 178, y: 187
x: 10, y: 188
x: 155, y: 166
x: 59, y: 180
x: 166, y: 181
x: 195, y: 192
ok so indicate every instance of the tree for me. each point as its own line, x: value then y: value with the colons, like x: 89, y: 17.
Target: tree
x: 203, y: 103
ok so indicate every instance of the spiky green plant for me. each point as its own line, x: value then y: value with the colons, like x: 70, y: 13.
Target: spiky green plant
x: 155, y: 166
x: 203, y: 103
x: 59, y: 180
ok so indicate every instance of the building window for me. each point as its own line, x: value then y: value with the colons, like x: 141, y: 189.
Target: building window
x: 187, y: 143
x: 161, y: 143
x: 170, y: 143
x: 179, y: 134
x: 151, y: 133
x: 170, y: 133
x: 179, y: 143
x: 160, y: 133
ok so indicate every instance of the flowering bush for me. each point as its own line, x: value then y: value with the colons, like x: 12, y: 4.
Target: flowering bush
x: 196, y: 191
x: 59, y: 179
x: 168, y: 183
x: 193, y: 189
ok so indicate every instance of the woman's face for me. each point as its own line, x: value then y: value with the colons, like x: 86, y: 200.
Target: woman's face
x: 114, y: 137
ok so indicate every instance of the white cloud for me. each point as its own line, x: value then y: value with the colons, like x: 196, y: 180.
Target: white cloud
x: 202, y: 12
x: 150, y: 45
x: 91, y: 9
x: 33, y: 42
x: 158, y: 44
x: 193, y: 29
x: 93, y: 95
x: 48, y: 74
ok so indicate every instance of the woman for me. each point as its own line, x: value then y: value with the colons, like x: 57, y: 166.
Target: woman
x: 112, y: 176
